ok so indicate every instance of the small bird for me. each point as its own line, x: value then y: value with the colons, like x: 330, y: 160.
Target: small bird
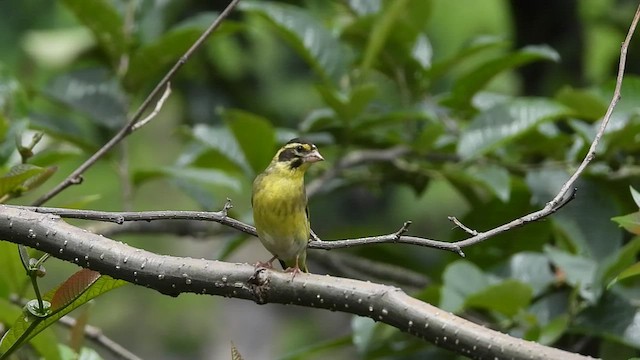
x: 279, y: 202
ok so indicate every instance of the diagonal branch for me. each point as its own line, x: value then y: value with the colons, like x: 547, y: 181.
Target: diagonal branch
x: 176, y: 275
x: 75, y: 176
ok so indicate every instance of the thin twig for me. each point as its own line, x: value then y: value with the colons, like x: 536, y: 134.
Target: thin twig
x: 75, y: 176
x: 155, y: 111
x: 605, y: 120
x: 174, y: 275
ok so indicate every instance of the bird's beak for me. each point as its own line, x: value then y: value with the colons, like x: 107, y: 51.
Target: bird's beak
x: 313, y: 156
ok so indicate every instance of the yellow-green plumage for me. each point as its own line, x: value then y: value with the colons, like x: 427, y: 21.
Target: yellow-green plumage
x: 280, y: 204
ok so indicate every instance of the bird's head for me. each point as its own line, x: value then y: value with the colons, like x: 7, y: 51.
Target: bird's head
x: 297, y: 154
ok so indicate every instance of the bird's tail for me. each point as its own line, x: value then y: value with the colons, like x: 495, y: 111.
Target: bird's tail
x: 302, y: 263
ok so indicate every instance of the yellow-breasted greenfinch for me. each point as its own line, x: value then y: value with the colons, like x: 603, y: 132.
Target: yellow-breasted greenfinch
x: 279, y: 201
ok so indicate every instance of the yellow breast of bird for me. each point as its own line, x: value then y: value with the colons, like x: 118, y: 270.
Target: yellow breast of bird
x: 279, y: 214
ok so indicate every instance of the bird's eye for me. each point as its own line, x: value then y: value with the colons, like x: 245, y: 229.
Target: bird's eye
x: 300, y: 148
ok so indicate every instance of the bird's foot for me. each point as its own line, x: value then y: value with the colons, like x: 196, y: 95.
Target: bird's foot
x: 266, y: 265
x: 294, y: 271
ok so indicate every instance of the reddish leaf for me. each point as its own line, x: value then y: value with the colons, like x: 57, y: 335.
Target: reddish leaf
x: 75, y: 285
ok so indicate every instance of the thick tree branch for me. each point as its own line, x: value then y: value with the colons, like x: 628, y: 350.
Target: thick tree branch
x: 175, y: 275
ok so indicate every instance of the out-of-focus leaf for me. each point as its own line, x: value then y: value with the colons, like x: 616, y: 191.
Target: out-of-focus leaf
x: 627, y: 106
x: 205, y: 176
x: 530, y: 268
x: 506, y: 122
x: 585, y: 104
x: 381, y: 30
x: 422, y: 51
x: 635, y: 195
x: 630, y: 222
x: 507, y: 297
x: 323, y: 52
x: 230, y: 246
x: 365, y: 7
x: 93, y: 92
x: 14, y: 181
x: 8, y: 144
x: 83, y: 137
x: 13, y: 98
x: 579, y: 272
x: 196, y: 192
x: 17, y: 335
x: 12, y: 276
x: 460, y: 280
x: 104, y: 21
x: 223, y: 142
x: 612, y: 317
x: 551, y: 332
x: 586, y: 226
x: 149, y: 61
x: 363, y: 329
x: 631, y: 271
x: 617, y: 262
x: 495, y: 178
x: 474, y: 47
x: 469, y: 84
x: 255, y: 136
x: 315, y: 350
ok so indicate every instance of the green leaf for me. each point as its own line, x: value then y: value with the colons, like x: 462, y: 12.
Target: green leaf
x: 381, y: 31
x: 551, y: 332
x: 222, y: 141
x: 635, y: 195
x: 229, y: 247
x: 12, y: 276
x: 506, y: 122
x: 151, y: 60
x: 8, y: 143
x: 460, y: 280
x: 495, y: 178
x: 618, y: 261
x: 630, y: 272
x: 507, y: 298
x: 586, y: 104
x: 579, y: 272
x: 613, y: 317
x: 309, y: 38
x: 27, y: 326
x: 45, y: 344
x: 630, y: 222
x: 14, y: 182
x: 102, y: 18
x: 474, y: 47
x: 530, y: 268
x: 466, y: 86
x: 255, y: 136
x: 94, y: 92
x: 204, y: 176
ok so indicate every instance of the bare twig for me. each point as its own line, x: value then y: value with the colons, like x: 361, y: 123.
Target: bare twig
x: 75, y: 176
x: 155, y: 111
x: 221, y: 217
x: 566, y: 187
x: 462, y: 226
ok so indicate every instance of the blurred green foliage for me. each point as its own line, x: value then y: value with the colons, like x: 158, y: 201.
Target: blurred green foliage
x: 434, y: 76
